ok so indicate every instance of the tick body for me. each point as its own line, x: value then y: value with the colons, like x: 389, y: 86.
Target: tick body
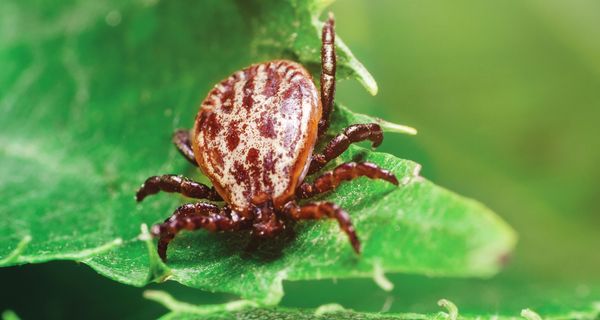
x: 255, y: 132
x: 254, y: 138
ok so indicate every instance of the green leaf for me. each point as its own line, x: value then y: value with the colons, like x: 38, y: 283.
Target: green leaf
x: 344, y: 117
x: 9, y: 315
x: 244, y: 310
x: 89, y: 95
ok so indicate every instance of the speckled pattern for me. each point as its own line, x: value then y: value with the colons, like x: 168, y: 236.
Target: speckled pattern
x: 255, y: 132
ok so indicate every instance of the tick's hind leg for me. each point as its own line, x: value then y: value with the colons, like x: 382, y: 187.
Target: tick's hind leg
x: 344, y: 172
x: 341, y: 142
x: 328, y: 66
x: 194, y: 216
x: 181, y: 139
x: 178, y: 184
x: 320, y: 210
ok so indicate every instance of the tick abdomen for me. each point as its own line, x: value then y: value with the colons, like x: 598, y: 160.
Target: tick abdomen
x: 256, y: 130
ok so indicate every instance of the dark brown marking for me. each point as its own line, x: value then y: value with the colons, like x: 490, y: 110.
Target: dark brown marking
x: 252, y: 156
x: 268, y: 168
x: 212, y: 124
x: 227, y: 97
x: 248, y: 90
x: 273, y: 82
x: 233, y: 136
x: 267, y: 127
x: 254, y: 168
x: 240, y: 174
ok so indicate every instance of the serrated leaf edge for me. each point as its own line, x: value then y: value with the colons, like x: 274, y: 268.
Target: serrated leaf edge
x: 452, y: 313
x: 16, y: 257
x: 174, y: 305
x: 451, y: 310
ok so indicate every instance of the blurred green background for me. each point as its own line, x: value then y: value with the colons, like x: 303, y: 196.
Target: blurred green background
x: 506, y: 98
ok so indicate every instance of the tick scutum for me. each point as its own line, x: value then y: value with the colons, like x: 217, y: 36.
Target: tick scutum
x: 277, y: 105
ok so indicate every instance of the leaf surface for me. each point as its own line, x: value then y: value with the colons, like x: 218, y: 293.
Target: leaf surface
x: 89, y: 95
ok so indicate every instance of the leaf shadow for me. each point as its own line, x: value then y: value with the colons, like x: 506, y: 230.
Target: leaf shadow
x: 200, y: 246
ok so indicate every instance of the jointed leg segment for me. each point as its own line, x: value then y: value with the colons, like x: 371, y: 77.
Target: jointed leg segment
x: 344, y: 172
x: 339, y: 144
x: 181, y: 139
x: 194, y: 216
x: 178, y: 184
x: 320, y: 210
x: 328, y: 66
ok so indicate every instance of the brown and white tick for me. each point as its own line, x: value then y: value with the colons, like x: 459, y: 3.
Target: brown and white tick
x: 254, y: 137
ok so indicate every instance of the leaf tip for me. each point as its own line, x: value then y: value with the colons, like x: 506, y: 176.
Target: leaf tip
x: 397, y: 128
x: 364, y: 77
x: 275, y: 291
x: 369, y: 83
x: 530, y: 314
x: 356, y: 68
x: 329, y: 308
x: 380, y: 279
x: 490, y: 256
x: 450, y: 307
x: 144, y: 233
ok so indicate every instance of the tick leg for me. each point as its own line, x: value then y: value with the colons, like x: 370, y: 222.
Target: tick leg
x: 344, y: 172
x: 328, y: 66
x: 193, y: 216
x: 181, y: 139
x: 339, y: 144
x: 320, y: 210
x: 178, y: 184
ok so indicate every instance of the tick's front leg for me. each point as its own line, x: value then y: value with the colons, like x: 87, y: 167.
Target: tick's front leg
x: 177, y: 184
x: 328, y: 66
x: 181, y: 139
x: 194, y: 216
x: 339, y: 144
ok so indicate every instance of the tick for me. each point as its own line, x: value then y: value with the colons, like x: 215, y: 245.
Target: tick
x: 253, y: 138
